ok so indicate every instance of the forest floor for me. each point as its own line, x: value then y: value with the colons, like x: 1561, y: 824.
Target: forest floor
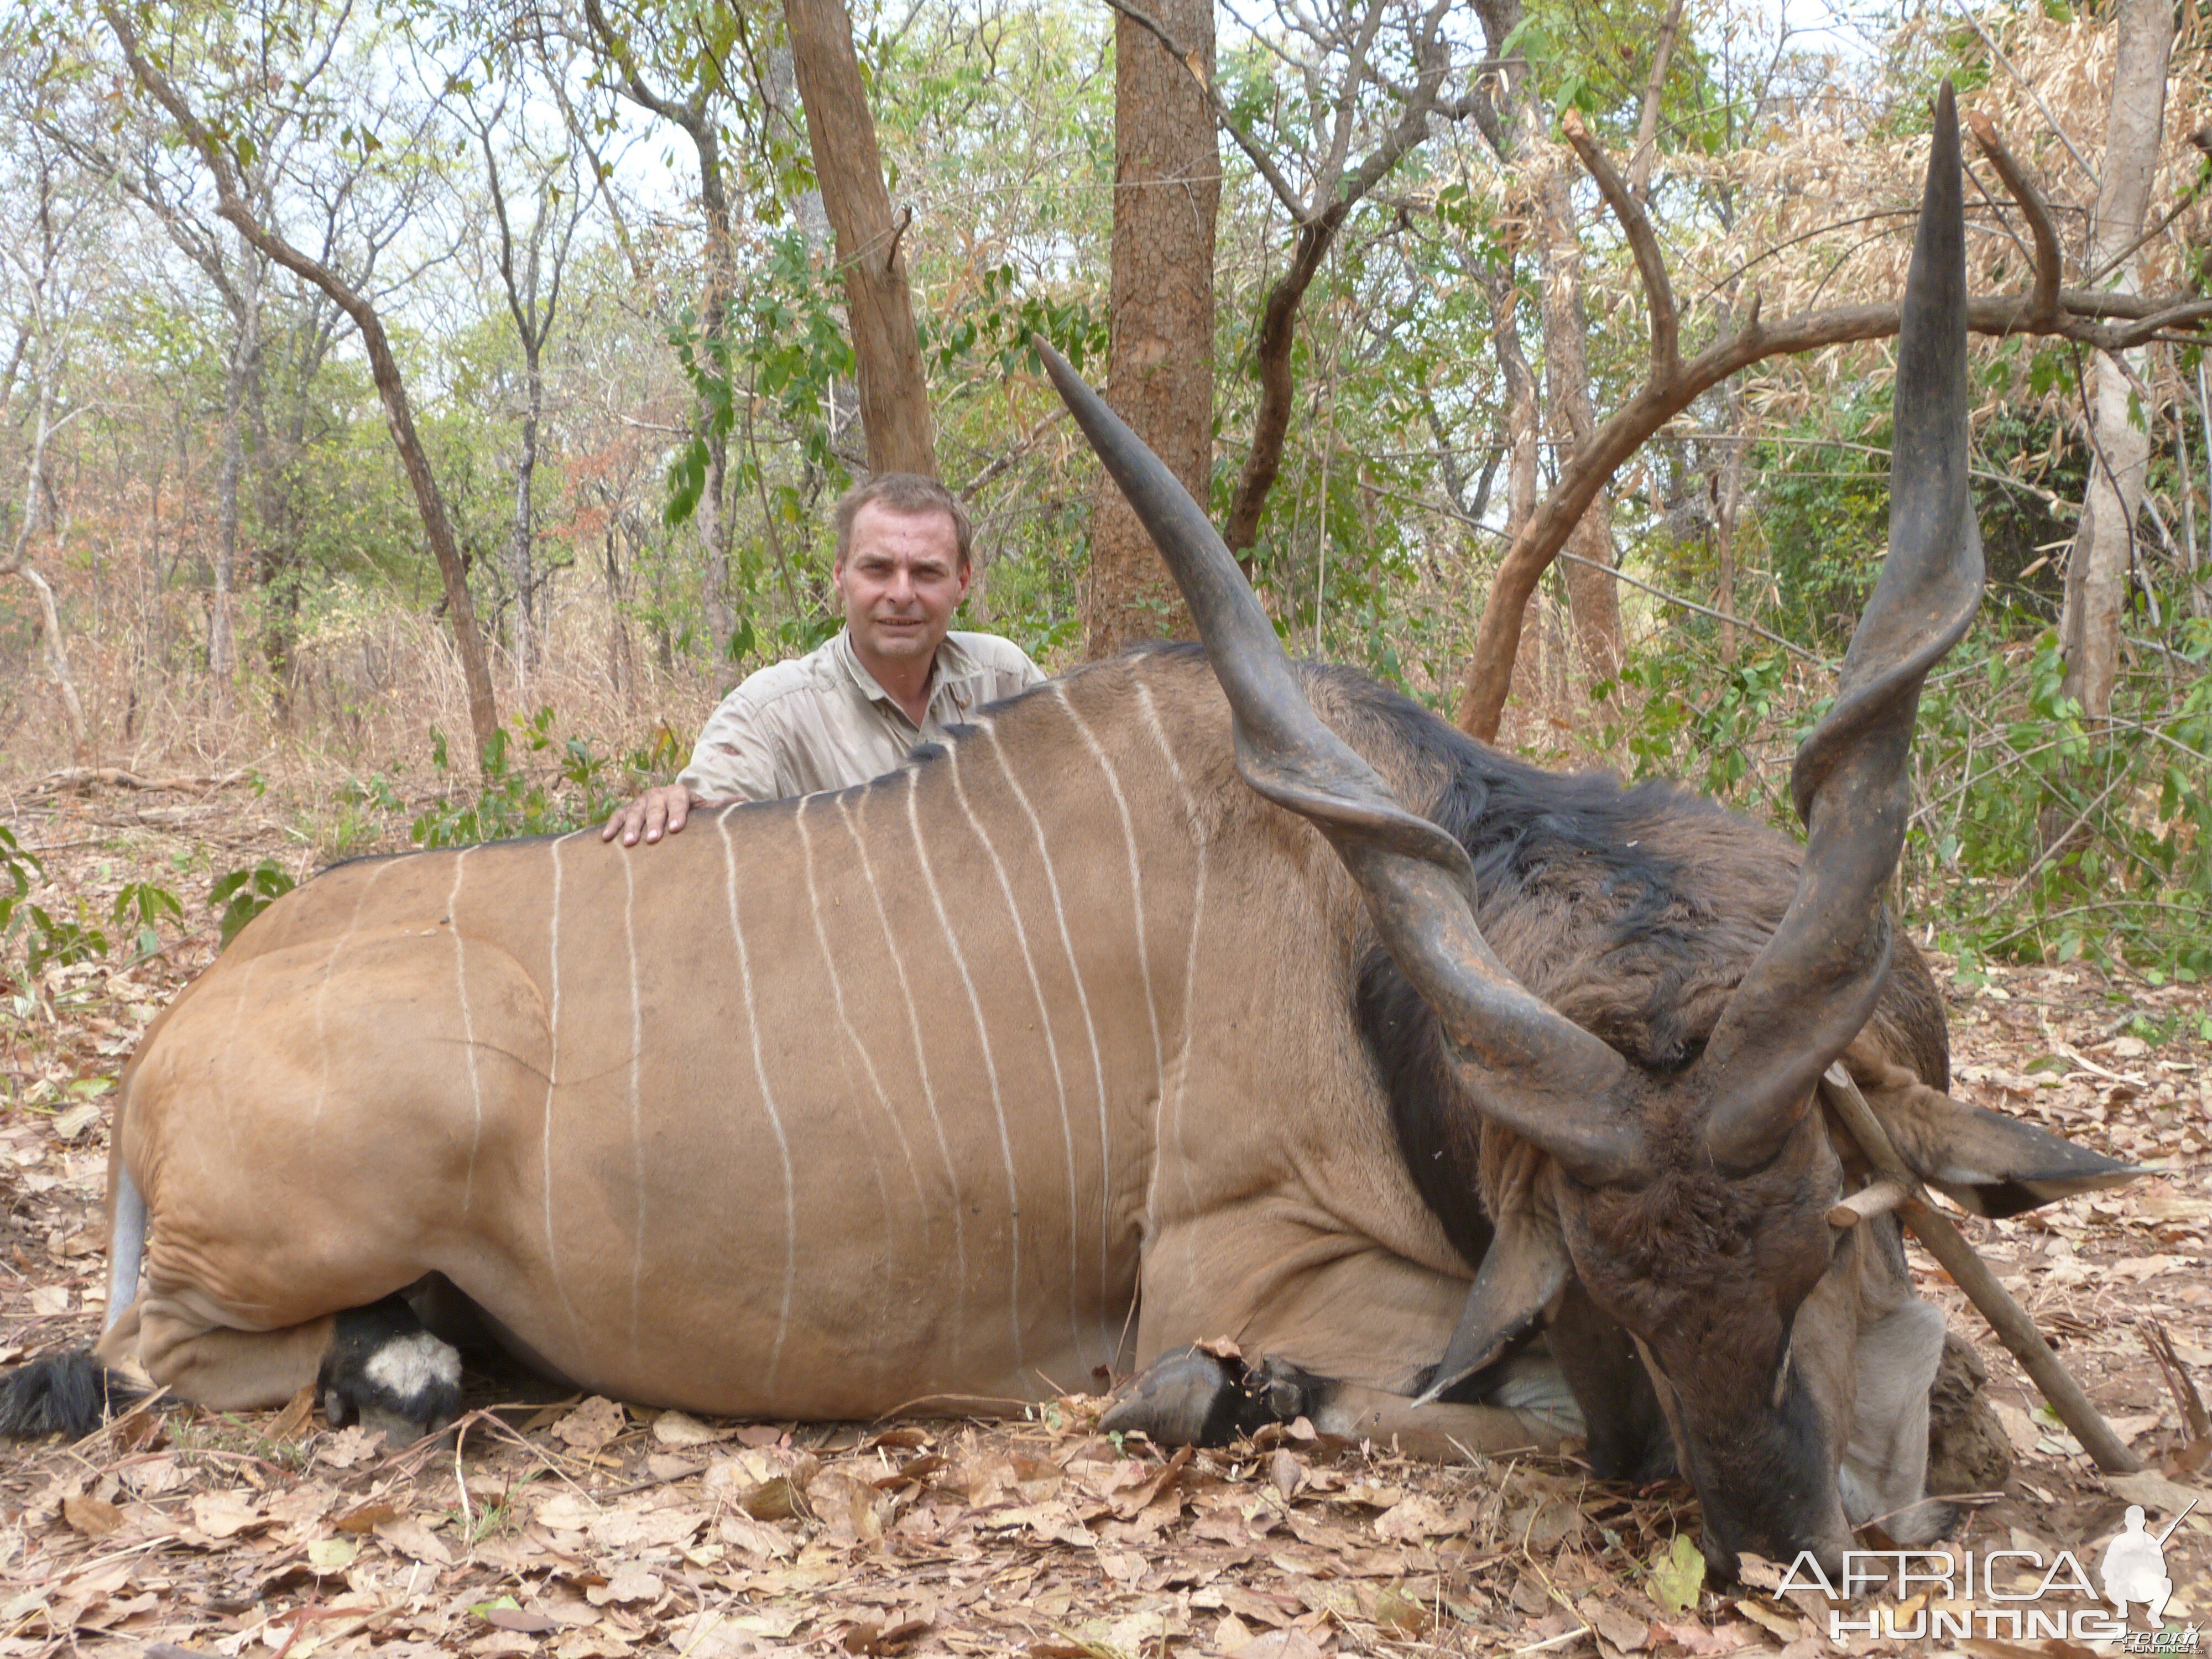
x: 582, y: 1530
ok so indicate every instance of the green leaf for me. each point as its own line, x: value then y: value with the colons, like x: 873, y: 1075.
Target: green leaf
x: 245, y: 893
x: 1678, y: 1574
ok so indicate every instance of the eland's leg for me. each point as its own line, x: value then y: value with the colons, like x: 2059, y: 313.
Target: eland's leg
x: 386, y: 1371
x: 1192, y: 1397
x: 376, y: 1366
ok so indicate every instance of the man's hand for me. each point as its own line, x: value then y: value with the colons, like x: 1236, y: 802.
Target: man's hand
x: 658, y: 810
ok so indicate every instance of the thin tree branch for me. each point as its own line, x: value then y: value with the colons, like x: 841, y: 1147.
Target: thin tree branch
x: 1647, y: 119
x: 1814, y: 657
x: 1661, y: 593
x: 1414, y: 121
x: 1340, y: 142
x: 1966, y: 11
x: 2043, y: 299
x: 1971, y: 1275
x: 688, y: 116
x: 1656, y: 402
x: 1650, y: 264
x: 2182, y: 203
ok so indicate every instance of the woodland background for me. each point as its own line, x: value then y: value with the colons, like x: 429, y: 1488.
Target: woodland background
x: 635, y: 284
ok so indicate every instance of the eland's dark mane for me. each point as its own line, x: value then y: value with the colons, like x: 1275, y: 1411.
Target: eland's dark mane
x: 1635, y: 910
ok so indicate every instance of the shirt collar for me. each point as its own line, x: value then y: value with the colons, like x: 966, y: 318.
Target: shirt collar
x: 953, y: 667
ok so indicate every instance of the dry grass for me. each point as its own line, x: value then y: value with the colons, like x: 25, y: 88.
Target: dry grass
x: 373, y: 684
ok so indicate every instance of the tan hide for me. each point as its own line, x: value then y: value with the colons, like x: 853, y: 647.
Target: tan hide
x: 819, y: 1109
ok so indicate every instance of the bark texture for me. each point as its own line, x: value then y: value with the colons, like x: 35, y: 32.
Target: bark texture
x: 1159, y: 363
x: 1593, y: 597
x: 878, y: 304
x: 2103, y: 545
x: 1524, y: 432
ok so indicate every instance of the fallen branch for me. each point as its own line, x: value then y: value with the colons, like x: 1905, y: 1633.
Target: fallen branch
x: 71, y: 778
x: 1971, y: 1275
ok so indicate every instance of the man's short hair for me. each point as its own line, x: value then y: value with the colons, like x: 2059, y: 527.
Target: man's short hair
x: 902, y: 492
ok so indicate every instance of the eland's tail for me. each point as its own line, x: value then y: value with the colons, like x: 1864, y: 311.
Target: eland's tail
x: 71, y: 1393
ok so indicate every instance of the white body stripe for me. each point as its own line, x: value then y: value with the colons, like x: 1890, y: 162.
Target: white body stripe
x: 837, y: 999
x: 468, y: 1026
x: 990, y: 1071
x: 1082, y: 1002
x: 1143, y: 954
x: 1044, y: 1022
x: 1189, y: 966
x: 922, y: 1070
x: 552, y: 1083
x: 768, y: 1103
x: 868, y: 1065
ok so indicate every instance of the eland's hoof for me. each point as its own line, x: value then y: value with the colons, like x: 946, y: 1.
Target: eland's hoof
x: 1189, y: 1397
x: 387, y: 1373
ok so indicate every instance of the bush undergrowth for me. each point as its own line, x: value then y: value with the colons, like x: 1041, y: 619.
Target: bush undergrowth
x: 2037, y: 835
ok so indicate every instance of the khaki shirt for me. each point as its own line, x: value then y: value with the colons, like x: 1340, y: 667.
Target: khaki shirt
x: 821, y: 721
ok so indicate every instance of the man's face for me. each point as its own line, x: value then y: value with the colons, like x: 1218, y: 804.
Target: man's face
x: 901, y: 580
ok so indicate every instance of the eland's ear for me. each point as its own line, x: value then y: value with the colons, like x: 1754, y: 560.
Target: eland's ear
x: 1992, y: 1164
x: 1521, y: 1278
x: 1521, y: 1274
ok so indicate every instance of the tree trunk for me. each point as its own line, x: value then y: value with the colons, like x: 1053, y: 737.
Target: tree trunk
x: 711, y: 513
x: 697, y: 120
x: 1727, y: 499
x: 222, y: 648
x: 1592, y: 598
x: 50, y: 637
x: 1271, y: 351
x: 1159, y: 361
x: 283, y: 558
x: 622, y: 662
x: 525, y: 632
x: 2098, y: 563
x: 19, y: 563
x: 415, y: 461
x: 1523, y: 431
x: 879, y: 308
x: 1647, y: 116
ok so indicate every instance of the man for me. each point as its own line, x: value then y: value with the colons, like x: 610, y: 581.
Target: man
x: 894, y: 677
